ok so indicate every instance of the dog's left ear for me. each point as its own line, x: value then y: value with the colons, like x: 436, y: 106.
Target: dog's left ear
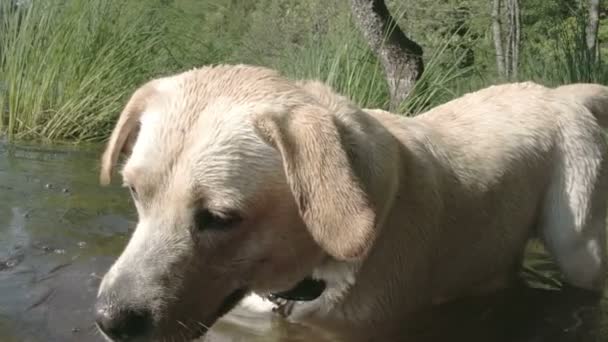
x: 330, y: 198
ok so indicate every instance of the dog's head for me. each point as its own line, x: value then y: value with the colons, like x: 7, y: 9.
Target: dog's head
x: 242, y: 181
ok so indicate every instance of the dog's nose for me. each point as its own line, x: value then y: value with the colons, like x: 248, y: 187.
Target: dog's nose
x: 121, y: 323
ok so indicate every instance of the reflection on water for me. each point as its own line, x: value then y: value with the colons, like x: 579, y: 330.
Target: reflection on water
x: 60, y: 231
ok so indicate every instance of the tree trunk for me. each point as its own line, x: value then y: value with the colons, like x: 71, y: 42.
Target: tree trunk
x: 514, y: 38
x: 497, y: 33
x: 401, y: 58
x: 507, y: 49
x: 592, y: 27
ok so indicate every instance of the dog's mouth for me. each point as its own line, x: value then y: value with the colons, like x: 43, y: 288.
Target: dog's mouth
x: 227, y: 304
x: 230, y: 302
x: 307, y: 289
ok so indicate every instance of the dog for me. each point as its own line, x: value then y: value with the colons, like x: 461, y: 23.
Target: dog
x: 247, y: 183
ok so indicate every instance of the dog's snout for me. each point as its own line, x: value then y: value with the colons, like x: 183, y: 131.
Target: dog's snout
x: 122, y: 323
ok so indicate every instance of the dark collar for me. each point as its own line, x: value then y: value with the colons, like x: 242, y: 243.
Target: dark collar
x: 306, y: 290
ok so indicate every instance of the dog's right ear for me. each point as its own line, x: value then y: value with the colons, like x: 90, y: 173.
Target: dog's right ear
x: 125, y: 131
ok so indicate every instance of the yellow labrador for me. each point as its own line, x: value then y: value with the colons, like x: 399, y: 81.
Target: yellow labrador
x: 245, y: 181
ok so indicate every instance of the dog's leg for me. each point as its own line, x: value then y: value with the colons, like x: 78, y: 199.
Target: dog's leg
x: 573, y: 218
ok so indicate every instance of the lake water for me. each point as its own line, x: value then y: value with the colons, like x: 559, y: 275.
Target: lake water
x: 60, y: 231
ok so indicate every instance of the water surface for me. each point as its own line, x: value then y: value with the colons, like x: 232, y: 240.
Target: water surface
x: 60, y: 231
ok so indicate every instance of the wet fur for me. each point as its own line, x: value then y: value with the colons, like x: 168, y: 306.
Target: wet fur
x: 395, y: 213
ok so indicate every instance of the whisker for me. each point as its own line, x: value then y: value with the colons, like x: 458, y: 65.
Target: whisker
x: 182, y: 324
x: 202, y: 325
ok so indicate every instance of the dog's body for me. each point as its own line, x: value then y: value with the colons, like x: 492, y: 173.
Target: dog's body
x: 394, y: 213
x: 479, y: 176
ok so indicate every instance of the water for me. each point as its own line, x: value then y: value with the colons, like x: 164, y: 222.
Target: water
x: 60, y: 231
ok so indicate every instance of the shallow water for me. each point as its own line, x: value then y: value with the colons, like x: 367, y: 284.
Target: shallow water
x: 60, y: 231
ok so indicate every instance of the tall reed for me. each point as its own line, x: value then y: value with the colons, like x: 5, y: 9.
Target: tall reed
x: 66, y: 66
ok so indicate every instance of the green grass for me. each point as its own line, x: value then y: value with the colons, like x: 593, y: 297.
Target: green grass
x: 567, y: 60
x: 343, y: 60
x: 67, y: 66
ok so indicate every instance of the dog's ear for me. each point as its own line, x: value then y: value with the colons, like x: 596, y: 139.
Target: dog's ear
x: 328, y: 193
x: 125, y: 131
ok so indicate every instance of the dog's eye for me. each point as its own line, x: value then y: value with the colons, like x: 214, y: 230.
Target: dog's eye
x: 208, y: 220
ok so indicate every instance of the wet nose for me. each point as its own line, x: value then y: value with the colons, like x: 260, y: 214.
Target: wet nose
x: 122, y: 323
